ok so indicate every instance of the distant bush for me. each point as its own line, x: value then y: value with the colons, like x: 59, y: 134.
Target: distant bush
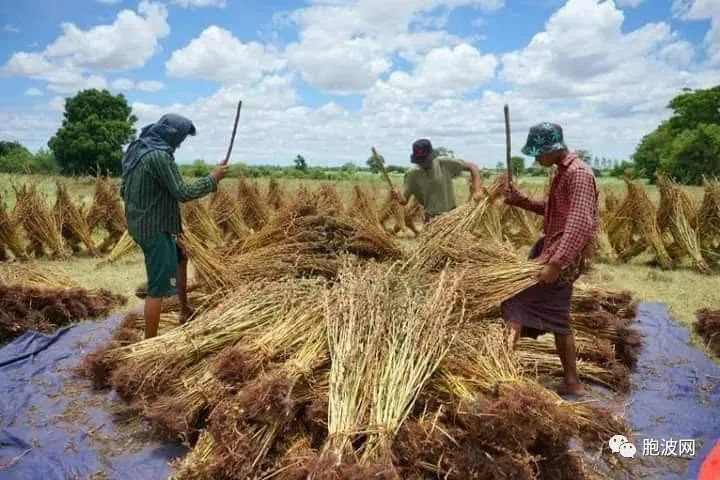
x: 15, y: 158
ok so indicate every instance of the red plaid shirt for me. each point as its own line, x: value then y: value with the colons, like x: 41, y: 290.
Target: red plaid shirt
x: 571, y: 212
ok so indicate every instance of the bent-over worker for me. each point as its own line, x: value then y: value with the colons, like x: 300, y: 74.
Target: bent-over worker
x: 570, y: 224
x: 152, y: 189
x: 431, y: 183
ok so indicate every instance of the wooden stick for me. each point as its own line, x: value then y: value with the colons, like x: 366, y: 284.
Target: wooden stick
x: 508, y: 158
x: 232, y: 138
x: 381, y: 164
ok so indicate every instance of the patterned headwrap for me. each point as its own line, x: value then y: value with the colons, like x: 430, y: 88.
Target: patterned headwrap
x: 544, y: 138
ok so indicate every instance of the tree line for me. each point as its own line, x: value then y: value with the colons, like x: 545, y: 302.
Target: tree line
x: 97, y: 125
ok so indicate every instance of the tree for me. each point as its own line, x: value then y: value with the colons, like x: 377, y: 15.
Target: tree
x: 584, y: 155
x: 300, y: 163
x: 693, y: 154
x: 618, y: 170
x: 695, y: 112
x: 9, y: 147
x: 198, y: 169
x: 518, y: 165
x: 499, y: 166
x: 95, y: 128
x: 373, y: 164
x: 349, y: 167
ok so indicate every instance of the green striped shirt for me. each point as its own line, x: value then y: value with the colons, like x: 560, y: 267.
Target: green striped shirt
x: 152, y: 192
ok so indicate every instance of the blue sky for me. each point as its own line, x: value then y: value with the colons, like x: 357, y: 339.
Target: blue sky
x: 330, y: 79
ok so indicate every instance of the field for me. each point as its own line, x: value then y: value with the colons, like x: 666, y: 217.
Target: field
x: 334, y: 340
x: 684, y: 291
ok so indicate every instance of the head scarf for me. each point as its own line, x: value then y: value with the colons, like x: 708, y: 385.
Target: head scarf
x: 166, y: 134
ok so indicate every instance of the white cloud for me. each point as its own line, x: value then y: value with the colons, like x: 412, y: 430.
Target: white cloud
x: 123, y: 84
x: 701, y: 10
x: 200, y: 3
x: 345, y: 46
x: 217, y: 55
x: 34, y: 92
x: 57, y: 104
x: 10, y: 28
x: 149, y: 86
x: 69, y: 62
x: 628, y: 3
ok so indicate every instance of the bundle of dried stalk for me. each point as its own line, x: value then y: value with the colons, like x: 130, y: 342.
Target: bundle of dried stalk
x: 276, y: 196
x: 10, y: 236
x: 414, y: 213
x: 446, y: 228
x: 603, y: 246
x: 125, y: 246
x: 709, y: 217
x: 33, y: 276
x: 37, y: 220
x: 227, y: 216
x: 198, y: 220
x: 678, y: 216
x: 210, y: 269
x: 107, y: 212
x: 519, y: 226
x: 328, y: 200
x: 72, y: 222
x: 252, y: 206
x: 392, y: 210
x: 362, y: 205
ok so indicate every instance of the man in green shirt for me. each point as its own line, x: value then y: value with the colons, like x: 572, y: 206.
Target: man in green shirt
x: 152, y: 189
x: 432, y: 182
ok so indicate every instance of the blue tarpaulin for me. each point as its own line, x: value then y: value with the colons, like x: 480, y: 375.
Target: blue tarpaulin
x: 53, y: 426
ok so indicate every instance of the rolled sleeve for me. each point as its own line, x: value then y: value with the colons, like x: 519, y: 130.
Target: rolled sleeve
x: 582, y: 219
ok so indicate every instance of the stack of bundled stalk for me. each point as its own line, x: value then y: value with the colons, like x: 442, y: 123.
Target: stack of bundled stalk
x: 38, y: 301
x: 677, y: 218
x: 633, y: 227
x: 107, y: 212
x: 708, y: 327
x: 124, y: 246
x: 41, y: 226
x: 10, y: 236
x: 198, y: 220
x: 519, y: 226
x: 276, y: 196
x: 708, y: 219
x: 393, y: 211
x: 252, y: 206
x: 363, y: 206
x: 227, y: 216
x: 72, y: 222
x: 368, y: 377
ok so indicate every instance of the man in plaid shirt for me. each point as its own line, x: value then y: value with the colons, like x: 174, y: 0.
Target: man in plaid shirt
x: 571, y: 215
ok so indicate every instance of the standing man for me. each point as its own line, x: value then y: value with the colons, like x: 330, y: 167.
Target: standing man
x: 152, y: 188
x: 432, y: 182
x: 570, y: 223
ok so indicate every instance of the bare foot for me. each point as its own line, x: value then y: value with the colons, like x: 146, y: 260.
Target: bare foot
x: 571, y: 388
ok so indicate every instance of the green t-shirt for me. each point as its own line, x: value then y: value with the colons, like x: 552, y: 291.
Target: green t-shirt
x: 433, y: 187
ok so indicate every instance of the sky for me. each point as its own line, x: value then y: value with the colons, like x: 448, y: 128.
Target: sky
x: 329, y: 79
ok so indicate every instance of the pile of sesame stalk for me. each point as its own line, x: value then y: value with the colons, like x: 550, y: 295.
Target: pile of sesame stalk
x: 73, y: 224
x: 323, y: 350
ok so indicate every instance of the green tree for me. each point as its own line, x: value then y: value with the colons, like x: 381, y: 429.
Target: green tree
x: 18, y: 160
x: 693, y: 154
x: 349, y: 167
x: 8, y: 147
x: 300, y: 163
x: 499, y: 166
x: 518, y: 165
x: 619, y: 168
x: 44, y: 162
x: 373, y: 164
x: 647, y: 155
x: 694, y: 108
x: 199, y: 169
x: 95, y: 128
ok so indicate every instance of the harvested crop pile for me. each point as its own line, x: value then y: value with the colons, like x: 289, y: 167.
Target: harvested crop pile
x: 45, y: 309
x: 252, y: 206
x: 375, y: 375
x: 708, y: 327
x: 708, y: 219
x: 107, y: 212
x: 392, y: 210
x: 276, y: 196
x: 10, y: 237
x: 40, y: 225
x: 362, y: 205
x: 198, y: 220
x: 72, y: 222
x: 124, y: 246
x: 227, y: 215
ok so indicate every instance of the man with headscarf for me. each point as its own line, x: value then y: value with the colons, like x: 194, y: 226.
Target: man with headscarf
x: 571, y: 217
x: 152, y: 189
x: 431, y: 183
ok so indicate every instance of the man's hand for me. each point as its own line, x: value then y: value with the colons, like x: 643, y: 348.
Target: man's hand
x: 478, y: 195
x: 549, y: 274
x: 397, y: 195
x: 220, y: 172
x: 513, y: 196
